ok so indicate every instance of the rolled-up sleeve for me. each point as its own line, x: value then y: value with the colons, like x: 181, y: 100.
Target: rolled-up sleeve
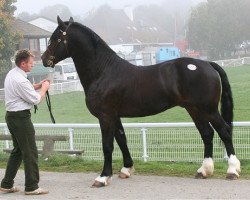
x: 28, y: 93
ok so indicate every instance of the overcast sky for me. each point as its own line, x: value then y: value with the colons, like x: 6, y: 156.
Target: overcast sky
x: 77, y: 7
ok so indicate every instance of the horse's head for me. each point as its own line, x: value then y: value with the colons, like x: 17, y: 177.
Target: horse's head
x: 57, y: 49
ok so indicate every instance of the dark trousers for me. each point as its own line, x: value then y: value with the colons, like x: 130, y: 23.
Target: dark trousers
x: 25, y: 149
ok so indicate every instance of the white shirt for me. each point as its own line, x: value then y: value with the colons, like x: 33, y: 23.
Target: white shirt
x: 19, y: 92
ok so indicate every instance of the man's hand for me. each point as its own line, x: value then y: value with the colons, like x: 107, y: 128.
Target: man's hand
x: 45, y: 85
x: 38, y: 86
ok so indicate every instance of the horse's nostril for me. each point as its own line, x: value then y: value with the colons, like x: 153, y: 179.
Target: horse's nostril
x: 49, y: 63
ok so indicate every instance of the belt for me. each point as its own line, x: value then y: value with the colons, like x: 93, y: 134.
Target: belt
x: 19, y: 111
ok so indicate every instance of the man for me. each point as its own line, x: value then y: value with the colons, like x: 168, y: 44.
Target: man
x: 20, y: 97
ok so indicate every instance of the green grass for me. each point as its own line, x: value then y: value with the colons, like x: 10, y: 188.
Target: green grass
x: 63, y: 163
x: 239, y: 78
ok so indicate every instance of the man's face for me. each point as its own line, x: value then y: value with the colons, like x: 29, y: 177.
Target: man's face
x: 27, y: 65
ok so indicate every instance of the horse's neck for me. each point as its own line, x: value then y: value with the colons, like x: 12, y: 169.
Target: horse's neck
x: 91, y: 68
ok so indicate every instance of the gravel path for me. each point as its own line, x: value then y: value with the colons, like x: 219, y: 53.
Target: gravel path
x: 78, y: 186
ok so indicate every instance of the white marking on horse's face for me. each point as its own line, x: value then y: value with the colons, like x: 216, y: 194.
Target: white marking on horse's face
x: 191, y: 67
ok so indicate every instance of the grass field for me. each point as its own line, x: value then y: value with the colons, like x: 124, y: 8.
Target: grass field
x: 71, y: 108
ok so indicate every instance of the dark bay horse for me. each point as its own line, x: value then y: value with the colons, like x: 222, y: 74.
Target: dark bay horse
x: 114, y: 88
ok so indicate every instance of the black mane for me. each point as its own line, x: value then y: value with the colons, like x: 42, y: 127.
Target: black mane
x: 95, y: 38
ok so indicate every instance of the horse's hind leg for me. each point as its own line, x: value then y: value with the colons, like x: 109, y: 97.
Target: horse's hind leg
x: 224, y: 131
x: 121, y: 140
x: 207, y: 133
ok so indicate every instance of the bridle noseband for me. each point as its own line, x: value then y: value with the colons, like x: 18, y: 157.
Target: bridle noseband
x: 63, y: 38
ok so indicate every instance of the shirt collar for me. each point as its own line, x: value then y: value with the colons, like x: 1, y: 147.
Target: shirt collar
x: 21, y: 72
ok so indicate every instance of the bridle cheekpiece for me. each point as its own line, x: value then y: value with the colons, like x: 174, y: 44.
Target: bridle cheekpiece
x: 63, y: 38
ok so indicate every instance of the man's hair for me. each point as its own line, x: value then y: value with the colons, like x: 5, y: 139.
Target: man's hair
x: 22, y: 55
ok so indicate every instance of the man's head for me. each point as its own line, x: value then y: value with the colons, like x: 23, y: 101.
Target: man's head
x: 24, y: 59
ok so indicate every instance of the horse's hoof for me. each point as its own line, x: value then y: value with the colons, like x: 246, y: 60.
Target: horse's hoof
x: 200, y: 176
x: 102, y: 181
x: 126, y: 172
x: 123, y: 176
x: 98, y: 184
x: 232, y: 177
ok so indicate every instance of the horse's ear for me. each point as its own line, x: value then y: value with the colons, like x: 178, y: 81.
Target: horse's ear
x: 61, y: 24
x: 71, y: 20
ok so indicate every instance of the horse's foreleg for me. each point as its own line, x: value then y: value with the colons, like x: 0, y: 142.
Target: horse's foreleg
x: 225, y: 134
x: 121, y: 140
x: 108, y: 130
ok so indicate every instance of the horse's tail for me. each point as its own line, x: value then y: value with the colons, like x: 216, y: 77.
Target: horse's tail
x: 226, y: 96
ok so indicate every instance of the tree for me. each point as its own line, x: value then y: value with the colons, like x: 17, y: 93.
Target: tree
x: 7, y: 37
x: 218, y: 26
x: 244, y: 19
x: 197, y: 28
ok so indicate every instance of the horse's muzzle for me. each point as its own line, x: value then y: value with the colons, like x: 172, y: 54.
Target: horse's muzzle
x: 48, y: 61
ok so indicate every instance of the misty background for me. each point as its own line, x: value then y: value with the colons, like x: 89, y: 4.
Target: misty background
x: 214, y: 29
x: 81, y: 8
x: 152, y: 21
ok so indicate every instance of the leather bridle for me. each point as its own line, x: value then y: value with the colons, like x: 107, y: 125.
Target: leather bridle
x: 62, y: 38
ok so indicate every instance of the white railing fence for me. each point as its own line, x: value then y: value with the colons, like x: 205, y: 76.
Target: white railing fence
x: 234, y: 62
x: 66, y: 86
x: 146, y: 141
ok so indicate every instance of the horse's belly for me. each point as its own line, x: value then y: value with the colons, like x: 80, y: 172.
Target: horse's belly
x: 143, y: 110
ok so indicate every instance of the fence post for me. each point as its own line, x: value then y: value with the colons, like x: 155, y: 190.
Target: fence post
x: 61, y: 89
x: 7, y: 146
x: 144, y: 142
x: 225, y: 154
x: 243, y: 61
x: 71, y: 143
